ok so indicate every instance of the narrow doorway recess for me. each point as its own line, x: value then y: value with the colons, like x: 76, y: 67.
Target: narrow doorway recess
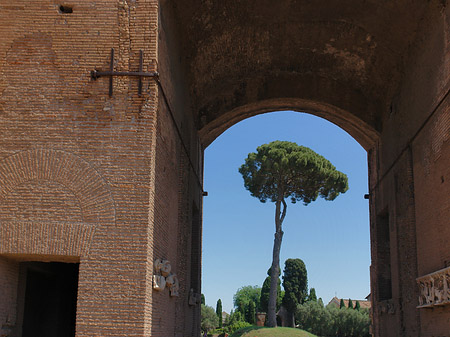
x: 50, y: 299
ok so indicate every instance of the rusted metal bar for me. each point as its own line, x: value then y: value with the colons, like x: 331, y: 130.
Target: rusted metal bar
x: 95, y: 74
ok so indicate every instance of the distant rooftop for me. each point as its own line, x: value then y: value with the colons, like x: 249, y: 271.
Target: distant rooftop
x: 362, y: 303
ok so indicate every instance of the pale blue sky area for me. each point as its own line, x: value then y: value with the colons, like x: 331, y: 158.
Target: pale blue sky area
x: 331, y: 237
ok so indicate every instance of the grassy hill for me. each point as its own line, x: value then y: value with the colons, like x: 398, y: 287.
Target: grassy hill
x: 254, y: 331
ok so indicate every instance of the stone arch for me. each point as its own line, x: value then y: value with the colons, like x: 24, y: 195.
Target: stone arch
x: 363, y: 133
x: 55, y: 237
x: 65, y: 169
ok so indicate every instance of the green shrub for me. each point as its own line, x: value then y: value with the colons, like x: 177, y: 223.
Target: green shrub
x: 332, y: 321
x: 235, y: 326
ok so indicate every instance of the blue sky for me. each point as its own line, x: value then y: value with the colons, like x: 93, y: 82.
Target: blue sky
x: 331, y: 237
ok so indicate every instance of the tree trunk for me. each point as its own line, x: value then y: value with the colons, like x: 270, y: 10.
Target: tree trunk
x: 290, y: 320
x: 274, y: 274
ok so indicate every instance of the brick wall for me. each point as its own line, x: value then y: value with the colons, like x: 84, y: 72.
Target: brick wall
x: 410, y: 171
x: 76, y: 165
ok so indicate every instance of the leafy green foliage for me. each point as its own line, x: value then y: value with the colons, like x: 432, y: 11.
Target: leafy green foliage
x: 234, y: 321
x: 236, y: 326
x: 350, y: 303
x: 219, y: 311
x: 209, y: 318
x: 331, y: 321
x: 341, y: 304
x: 293, y: 171
x: 357, y: 305
x: 203, y: 299
x: 250, y: 313
x: 244, y: 295
x: 312, y: 295
x: 264, y: 300
x: 312, y: 317
x: 233, y: 317
x: 295, y: 284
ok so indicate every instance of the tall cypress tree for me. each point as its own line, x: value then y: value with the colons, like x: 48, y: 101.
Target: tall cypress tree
x: 295, y: 283
x: 341, y: 304
x: 219, y: 311
x: 350, y: 303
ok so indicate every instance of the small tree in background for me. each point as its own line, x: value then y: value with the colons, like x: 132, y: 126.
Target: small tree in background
x: 203, y: 299
x: 281, y: 170
x: 219, y: 311
x: 350, y: 304
x: 209, y: 318
x: 295, y: 284
x: 341, y: 304
x: 312, y: 295
x: 244, y: 295
x: 320, y: 301
x: 357, y: 305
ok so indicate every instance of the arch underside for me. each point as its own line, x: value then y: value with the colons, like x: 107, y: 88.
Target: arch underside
x: 339, y: 61
x: 365, y: 135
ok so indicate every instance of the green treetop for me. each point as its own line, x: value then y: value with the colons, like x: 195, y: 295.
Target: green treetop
x: 244, y: 295
x: 281, y: 170
x: 350, y: 303
x: 312, y: 295
x: 219, y: 311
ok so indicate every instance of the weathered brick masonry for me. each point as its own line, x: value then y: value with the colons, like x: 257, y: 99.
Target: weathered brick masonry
x: 77, y: 167
x: 113, y: 183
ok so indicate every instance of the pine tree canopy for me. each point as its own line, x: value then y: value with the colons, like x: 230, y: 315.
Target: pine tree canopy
x: 293, y: 171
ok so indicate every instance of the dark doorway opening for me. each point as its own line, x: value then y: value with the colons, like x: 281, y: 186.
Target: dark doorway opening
x: 50, y: 299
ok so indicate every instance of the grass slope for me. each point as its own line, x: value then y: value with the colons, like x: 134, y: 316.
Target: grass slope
x: 254, y: 331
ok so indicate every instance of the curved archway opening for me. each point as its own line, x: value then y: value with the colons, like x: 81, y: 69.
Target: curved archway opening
x: 362, y: 132
x: 332, y: 238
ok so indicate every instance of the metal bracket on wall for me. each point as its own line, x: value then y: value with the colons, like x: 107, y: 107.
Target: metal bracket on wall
x: 111, y: 73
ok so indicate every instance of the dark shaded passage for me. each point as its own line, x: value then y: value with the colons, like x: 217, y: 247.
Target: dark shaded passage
x: 50, y: 299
